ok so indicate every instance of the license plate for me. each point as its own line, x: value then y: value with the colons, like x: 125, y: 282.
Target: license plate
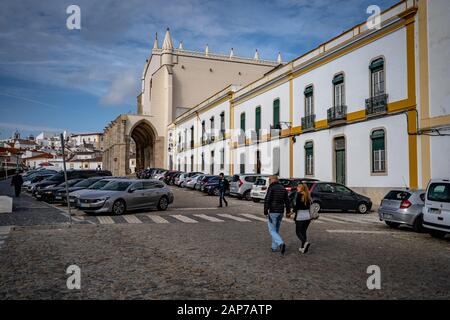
x: 434, y: 211
x: 38, y: 196
x: 387, y: 216
x: 58, y: 197
x: 85, y: 205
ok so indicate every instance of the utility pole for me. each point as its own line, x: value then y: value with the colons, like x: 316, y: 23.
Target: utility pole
x: 65, y: 176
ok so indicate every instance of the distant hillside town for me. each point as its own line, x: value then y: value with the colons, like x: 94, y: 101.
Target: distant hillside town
x: 83, y: 151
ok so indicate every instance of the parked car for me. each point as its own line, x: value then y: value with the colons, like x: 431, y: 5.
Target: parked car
x: 176, y: 178
x: 71, y: 174
x: 61, y: 196
x: 241, y: 185
x: 211, y: 187
x: 335, y: 196
x: 436, y: 211
x: 201, y: 182
x: 185, y: 177
x: 192, y: 182
x: 290, y: 184
x: 403, y: 207
x: 48, y: 193
x: 259, y: 189
x: 74, y: 195
x: 35, y: 179
x: 118, y: 196
x: 168, y: 176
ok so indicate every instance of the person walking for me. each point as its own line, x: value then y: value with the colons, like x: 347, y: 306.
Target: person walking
x: 17, y: 182
x: 302, y: 215
x: 275, y: 203
x: 223, y: 187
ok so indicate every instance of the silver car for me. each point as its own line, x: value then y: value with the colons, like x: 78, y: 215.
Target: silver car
x: 193, y: 181
x: 241, y: 185
x: 403, y: 207
x: 259, y: 189
x: 118, y: 196
x: 74, y: 196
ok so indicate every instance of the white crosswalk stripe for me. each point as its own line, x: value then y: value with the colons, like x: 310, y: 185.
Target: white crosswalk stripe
x: 184, y: 218
x: 331, y: 220
x: 105, y: 220
x: 209, y: 218
x: 157, y: 219
x: 132, y: 219
x: 229, y: 216
x: 352, y: 220
x: 252, y: 216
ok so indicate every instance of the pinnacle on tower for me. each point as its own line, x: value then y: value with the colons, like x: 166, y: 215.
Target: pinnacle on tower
x: 167, y: 44
x: 207, y: 50
x: 155, y: 43
x: 256, y: 57
x: 231, y: 53
x: 180, y: 47
x: 279, y: 60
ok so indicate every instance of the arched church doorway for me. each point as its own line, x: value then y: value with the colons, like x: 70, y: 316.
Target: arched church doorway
x: 144, y: 137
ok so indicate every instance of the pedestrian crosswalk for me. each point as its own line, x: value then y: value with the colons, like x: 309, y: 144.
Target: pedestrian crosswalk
x: 4, y: 233
x: 194, y: 218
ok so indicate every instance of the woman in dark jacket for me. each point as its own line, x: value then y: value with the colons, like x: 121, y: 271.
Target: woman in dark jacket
x: 302, y: 216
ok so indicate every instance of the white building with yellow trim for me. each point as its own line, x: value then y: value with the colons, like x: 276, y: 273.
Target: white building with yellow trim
x: 369, y: 108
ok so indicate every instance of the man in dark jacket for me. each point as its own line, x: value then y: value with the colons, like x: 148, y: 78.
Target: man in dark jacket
x: 223, y: 187
x: 17, y: 182
x: 275, y: 204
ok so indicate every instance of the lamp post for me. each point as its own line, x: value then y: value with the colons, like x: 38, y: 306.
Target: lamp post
x: 65, y: 176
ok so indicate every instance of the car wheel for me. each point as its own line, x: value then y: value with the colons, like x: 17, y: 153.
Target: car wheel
x: 256, y: 200
x: 362, y: 208
x: 437, y: 234
x: 247, y: 196
x: 163, y: 203
x: 392, y: 224
x: 417, y: 225
x: 316, y: 206
x: 216, y: 192
x: 118, y: 207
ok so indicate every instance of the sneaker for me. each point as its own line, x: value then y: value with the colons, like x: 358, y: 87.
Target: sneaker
x: 306, y: 247
x: 300, y: 250
x: 282, y: 249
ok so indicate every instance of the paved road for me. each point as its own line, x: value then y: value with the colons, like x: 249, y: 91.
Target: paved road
x: 196, y: 251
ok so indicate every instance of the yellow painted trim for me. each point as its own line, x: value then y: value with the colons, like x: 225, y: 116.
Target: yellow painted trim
x: 296, y: 130
x: 411, y: 64
x: 424, y: 92
x: 412, y: 150
x: 291, y: 119
x: 357, y: 115
x: 321, y: 124
x: 398, y: 105
x: 434, y: 122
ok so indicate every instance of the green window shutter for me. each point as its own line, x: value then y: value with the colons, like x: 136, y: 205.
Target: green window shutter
x: 377, y: 65
x: 378, y: 140
x: 338, y: 79
x: 276, y: 112
x: 243, y: 121
x: 258, y: 119
x: 309, y: 148
x: 308, y: 91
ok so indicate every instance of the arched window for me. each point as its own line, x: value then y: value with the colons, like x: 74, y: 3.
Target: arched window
x: 276, y: 113
x: 377, y: 77
x: 378, y: 142
x: 309, y: 102
x: 309, y: 158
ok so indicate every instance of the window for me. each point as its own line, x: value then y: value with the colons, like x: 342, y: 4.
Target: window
x: 309, y: 102
x: 276, y: 161
x: 257, y: 121
x: 378, y: 151
x: 222, y: 125
x: 203, y: 161
x: 192, y: 163
x: 377, y: 77
x: 185, y: 164
x: 242, y: 163
x: 203, y: 131
x: 222, y: 159
x: 192, y: 137
x: 243, y: 121
x: 212, y: 162
x: 309, y: 158
x: 339, y: 92
x: 212, y: 123
x: 276, y: 114
x: 439, y: 192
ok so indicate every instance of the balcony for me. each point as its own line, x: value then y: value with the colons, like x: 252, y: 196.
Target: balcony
x: 336, y: 115
x: 308, y: 122
x: 275, y: 131
x: 222, y: 135
x: 376, y: 105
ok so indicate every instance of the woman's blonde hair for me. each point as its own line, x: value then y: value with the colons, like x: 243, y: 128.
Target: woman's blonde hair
x: 306, y: 196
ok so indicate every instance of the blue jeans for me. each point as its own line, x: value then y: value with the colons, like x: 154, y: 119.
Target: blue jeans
x: 274, y: 222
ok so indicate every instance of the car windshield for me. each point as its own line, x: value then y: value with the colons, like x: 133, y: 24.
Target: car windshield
x: 235, y: 178
x: 117, y: 186
x: 99, y: 184
x: 285, y: 182
x: 71, y: 183
x: 397, y: 195
x: 260, y: 182
x: 85, y: 183
x: 439, y: 192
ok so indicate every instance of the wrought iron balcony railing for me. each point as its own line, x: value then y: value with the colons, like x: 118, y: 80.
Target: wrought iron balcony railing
x: 377, y: 104
x: 336, y: 114
x: 308, y: 122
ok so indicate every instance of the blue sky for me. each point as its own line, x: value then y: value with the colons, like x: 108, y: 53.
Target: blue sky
x: 55, y: 79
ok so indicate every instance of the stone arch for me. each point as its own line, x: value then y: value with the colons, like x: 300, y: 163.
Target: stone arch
x: 144, y: 135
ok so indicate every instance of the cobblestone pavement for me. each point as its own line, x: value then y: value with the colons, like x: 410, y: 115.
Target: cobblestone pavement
x: 218, y: 257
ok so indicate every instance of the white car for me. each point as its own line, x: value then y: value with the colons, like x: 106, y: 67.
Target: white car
x: 259, y: 189
x: 436, y: 211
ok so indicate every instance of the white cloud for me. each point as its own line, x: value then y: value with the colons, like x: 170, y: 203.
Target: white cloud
x: 121, y: 89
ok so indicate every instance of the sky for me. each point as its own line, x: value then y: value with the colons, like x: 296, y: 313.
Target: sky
x: 55, y: 79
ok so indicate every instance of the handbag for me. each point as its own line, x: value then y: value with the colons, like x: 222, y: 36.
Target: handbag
x: 313, y: 212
